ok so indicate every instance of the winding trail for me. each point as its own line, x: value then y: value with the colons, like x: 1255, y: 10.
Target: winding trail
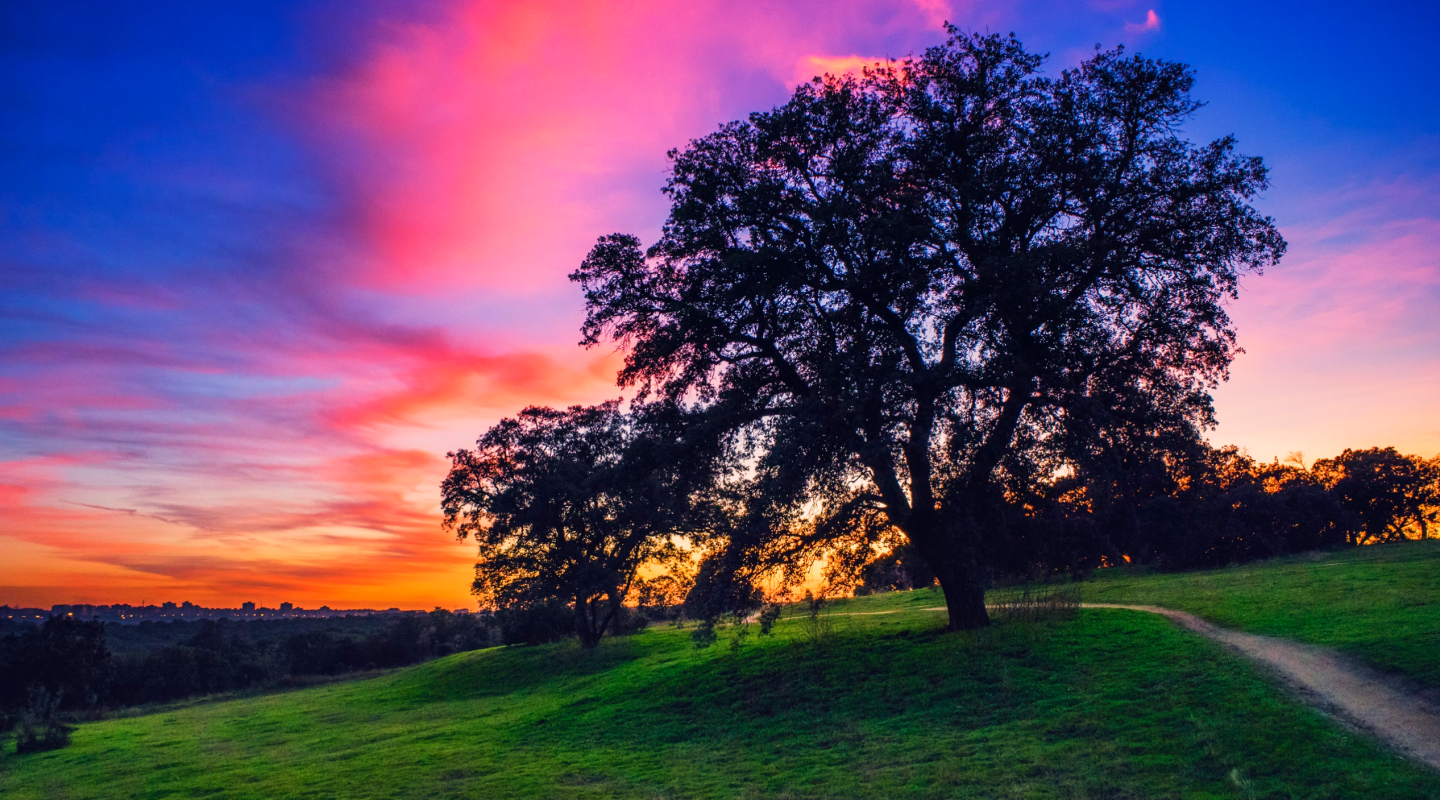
x: 1400, y: 717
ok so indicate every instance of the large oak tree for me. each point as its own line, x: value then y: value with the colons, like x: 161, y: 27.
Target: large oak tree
x: 919, y: 291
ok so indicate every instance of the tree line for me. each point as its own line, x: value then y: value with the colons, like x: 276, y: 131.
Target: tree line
x: 949, y: 320
x: 69, y: 668
x: 1217, y: 507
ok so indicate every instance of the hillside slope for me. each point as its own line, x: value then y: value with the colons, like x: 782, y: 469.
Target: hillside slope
x: 1111, y: 704
x: 1380, y: 604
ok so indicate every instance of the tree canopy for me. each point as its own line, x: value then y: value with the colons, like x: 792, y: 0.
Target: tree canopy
x: 569, y: 505
x: 920, y: 292
x: 1390, y: 493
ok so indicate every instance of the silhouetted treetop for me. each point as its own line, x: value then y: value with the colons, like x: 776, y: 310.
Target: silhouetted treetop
x: 568, y: 505
x: 1391, y: 494
x: 922, y: 288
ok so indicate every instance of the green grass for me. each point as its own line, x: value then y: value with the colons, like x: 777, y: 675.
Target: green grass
x: 1380, y: 603
x: 1114, y: 704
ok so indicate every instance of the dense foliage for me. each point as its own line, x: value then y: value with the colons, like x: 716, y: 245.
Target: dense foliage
x: 1207, y: 507
x: 1220, y: 507
x: 1393, y: 496
x: 918, y: 294
x: 568, y: 506
x: 67, y: 667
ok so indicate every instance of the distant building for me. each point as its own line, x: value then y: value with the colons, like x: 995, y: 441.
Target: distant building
x: 29, y: 616
x: 287, y: 607
x: 248, y: 608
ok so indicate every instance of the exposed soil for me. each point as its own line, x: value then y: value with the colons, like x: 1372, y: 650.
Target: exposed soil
x: 1398, y: 714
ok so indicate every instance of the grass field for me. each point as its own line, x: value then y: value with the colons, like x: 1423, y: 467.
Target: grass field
x: 1380, y: 603
x: 1114, y: 704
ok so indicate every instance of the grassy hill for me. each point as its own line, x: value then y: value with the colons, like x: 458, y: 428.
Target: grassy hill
x: 1381, y: 603
x: 1113, y: 704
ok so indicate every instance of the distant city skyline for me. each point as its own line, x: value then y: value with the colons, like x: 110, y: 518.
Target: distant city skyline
x: 169, y: 610
x: 263, y: 264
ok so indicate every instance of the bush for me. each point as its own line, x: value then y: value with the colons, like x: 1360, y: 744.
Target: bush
x: 630, y: 621
x: 704, y: 634
x: 39, y: 727
x: 719, y: 589
x: 536, y: 623
x: 1036, y: 602
x: 817, y: 627
x: 770, y: 615
x: 899, y: 570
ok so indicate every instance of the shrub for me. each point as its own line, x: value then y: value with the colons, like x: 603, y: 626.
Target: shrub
x: 818, y: 628
x: 770, y: 615
x: 1036, y: 602
x: 535, y: 623
x: 704, y: 634
x: 39, y: 727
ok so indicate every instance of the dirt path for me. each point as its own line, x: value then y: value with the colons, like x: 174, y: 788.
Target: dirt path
x: 1398, y: 715
x: 1374, y: 702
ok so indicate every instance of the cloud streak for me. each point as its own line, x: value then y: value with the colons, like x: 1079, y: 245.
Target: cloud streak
x: 1151, y: 23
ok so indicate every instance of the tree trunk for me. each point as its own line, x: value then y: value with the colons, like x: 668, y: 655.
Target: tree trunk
x: 964, y: 599
x: 584, y: 626
x: 953, y: 563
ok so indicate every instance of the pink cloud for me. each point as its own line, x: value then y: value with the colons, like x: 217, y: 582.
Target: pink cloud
x: 491, y: 149
x: 364, y: 543
x: 936, y: 12
x: 1151, y: 23
x: 811, y: 67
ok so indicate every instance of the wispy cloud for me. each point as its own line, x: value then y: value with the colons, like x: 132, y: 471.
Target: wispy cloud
x: 811, y: 67
x: 1151, y: 23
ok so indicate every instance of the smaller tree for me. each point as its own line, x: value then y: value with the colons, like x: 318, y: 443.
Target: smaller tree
x: 899, y: 569
x: 67, y: 658
x: 569, y: 505
x: 62, y: 665
x: 1431, y: 506
x: 1391, y: 493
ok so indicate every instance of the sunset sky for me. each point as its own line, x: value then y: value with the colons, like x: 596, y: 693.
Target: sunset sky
x: 263, y: 264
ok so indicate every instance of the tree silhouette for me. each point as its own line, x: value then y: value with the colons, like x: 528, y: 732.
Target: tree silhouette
x: 1390, y: 492
x: 918, y: 291
x: 569, y: 505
